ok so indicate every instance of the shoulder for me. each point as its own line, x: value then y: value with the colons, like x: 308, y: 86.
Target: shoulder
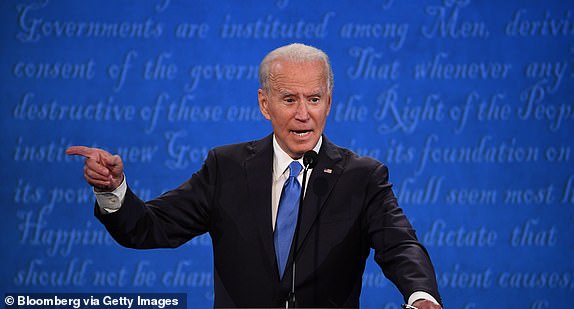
x: 242, y: 151
x: 352, y: 160
x: 357, y: 167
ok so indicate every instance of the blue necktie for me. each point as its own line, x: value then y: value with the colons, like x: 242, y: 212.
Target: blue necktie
x: 287, y: 216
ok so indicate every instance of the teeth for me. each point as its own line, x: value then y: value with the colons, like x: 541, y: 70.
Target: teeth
x: 301, y: 134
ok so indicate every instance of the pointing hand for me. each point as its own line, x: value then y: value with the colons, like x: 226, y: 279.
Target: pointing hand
x: 102, y: 170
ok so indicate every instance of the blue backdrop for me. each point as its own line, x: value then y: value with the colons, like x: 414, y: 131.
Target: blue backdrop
x: 469, y: 103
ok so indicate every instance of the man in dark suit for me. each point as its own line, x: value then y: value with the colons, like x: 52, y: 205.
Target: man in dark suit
x: 240, y: 197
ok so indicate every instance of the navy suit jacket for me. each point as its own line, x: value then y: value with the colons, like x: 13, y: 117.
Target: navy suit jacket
x: 348, y: 209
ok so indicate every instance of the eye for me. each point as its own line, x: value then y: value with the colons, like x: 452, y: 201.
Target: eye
x: 315, y: 100
x: 289, y: 100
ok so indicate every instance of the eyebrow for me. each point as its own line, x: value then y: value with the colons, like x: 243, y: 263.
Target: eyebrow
x: 286, y: 93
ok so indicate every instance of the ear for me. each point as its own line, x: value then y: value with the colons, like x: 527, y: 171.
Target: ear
x: 263, y: 103
x: 329, y: 100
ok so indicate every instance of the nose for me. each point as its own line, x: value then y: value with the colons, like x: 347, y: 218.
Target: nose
x: 302, y: 112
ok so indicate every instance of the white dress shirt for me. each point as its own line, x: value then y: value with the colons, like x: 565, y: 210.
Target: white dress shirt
x: 281, y: 161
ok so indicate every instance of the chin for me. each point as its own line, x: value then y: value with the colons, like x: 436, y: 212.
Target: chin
x: 300, y: 151
x: 299, y: 147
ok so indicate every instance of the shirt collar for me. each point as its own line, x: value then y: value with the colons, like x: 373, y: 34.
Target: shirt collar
x: 281, y: 159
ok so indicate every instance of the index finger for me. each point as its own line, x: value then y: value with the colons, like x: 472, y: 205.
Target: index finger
x: 82, y: 151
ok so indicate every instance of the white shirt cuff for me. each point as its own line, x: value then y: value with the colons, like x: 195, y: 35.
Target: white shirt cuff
x: 112, y: 201
x: 421, y: 295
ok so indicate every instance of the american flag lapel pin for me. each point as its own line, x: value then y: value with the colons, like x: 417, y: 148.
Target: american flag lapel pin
x: 328, y: 171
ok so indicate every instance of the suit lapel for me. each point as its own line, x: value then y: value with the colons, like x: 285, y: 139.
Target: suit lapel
x: 259, y: 171
x: 323, y: 179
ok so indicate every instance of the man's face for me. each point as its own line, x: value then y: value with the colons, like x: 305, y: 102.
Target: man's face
x: 297, y: 104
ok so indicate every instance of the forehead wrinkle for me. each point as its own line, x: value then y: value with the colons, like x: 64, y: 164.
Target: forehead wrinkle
x: 278, y: 79
x: 286, y: 86
x: 273, y: 77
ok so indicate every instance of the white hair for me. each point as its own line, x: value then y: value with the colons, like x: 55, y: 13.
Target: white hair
x: 297, y: 53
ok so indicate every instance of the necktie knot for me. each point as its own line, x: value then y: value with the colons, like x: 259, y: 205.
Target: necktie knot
x: 295, y: 168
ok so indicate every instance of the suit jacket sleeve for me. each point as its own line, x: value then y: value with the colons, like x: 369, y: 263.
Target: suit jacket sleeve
x: 168, y: 221
x: 401, y: 256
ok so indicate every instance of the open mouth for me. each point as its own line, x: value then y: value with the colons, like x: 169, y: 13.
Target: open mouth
x: 301, y: 132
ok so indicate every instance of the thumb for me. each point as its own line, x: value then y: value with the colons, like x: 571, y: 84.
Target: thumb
x: 111, y: 160
x: 114, y: 164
